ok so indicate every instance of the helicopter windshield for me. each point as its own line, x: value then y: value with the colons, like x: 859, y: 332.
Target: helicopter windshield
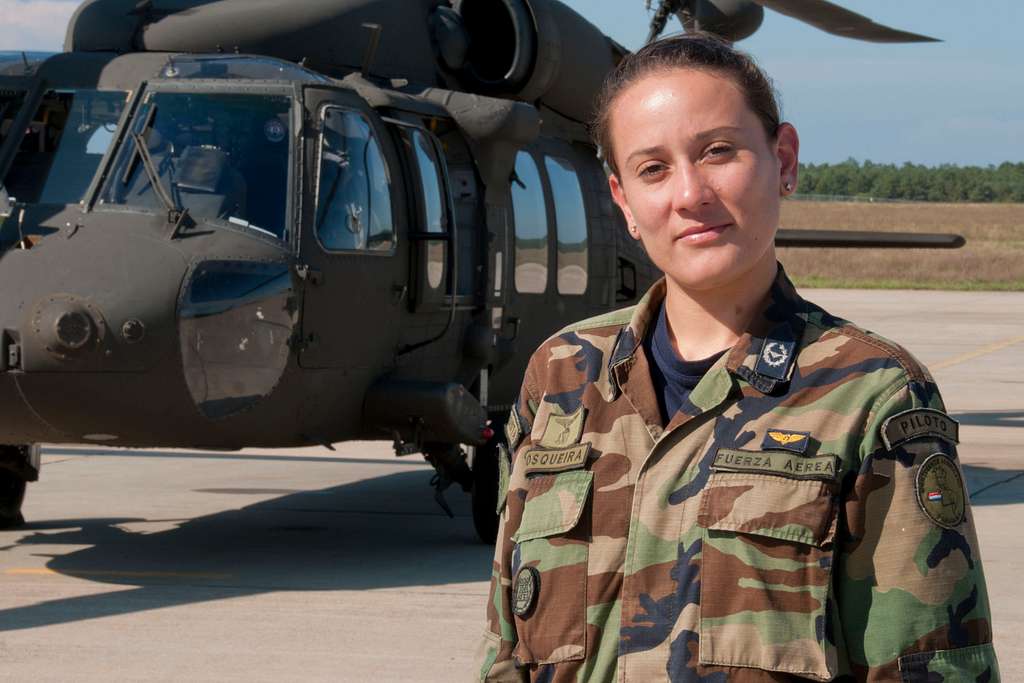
x: 62, y: 145
x: 219, y: 155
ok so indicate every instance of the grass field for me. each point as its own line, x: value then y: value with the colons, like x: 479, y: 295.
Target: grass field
x: 992, y: 259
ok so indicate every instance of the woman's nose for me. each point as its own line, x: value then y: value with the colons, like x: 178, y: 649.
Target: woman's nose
x: 691, y: 189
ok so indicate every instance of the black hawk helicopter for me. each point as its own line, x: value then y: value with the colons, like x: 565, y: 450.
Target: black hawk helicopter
x: 230, y: 223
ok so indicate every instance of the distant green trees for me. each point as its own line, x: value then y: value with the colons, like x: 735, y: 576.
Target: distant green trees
x: 913, y: 182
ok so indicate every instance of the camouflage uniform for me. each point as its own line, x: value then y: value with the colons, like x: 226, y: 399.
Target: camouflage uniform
x: 803, y: 516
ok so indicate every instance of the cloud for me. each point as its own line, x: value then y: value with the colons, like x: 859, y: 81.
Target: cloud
x: 34, y: 24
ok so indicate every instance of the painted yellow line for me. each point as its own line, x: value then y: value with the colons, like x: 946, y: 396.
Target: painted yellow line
x: 991, y: 348
x: 46, y: 571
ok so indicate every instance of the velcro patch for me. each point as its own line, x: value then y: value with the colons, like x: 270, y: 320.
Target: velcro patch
x: 940, y: 491
x: 549, y: 460
x: 767, y: 462
x: 563, y: 430
x: 918, y: 423
x: 513, y: 429
x: 784, y: 439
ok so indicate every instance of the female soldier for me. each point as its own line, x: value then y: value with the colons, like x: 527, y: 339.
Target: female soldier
x: 725, y: 482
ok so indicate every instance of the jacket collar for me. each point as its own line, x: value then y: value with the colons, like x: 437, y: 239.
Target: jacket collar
x: 763, y: 356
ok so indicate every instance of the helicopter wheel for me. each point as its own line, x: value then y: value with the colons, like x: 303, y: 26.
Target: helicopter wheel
x: 484, y: 494
x: 12, y: 494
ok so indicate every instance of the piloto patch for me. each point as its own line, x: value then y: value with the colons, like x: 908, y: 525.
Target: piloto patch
x: 551, y: 460
x: 524, y: 590
x: 940, y: 491
x: 919, y: 423
x: 563, y: 430
x: 786, y: 440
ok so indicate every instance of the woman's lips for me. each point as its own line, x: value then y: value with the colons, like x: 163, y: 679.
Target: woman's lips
x: 703, y: 233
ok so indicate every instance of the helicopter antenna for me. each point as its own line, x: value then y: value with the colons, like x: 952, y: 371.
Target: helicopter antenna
x: 371, y: 47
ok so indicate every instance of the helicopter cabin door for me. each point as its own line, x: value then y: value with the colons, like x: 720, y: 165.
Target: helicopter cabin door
x: 348, y: 254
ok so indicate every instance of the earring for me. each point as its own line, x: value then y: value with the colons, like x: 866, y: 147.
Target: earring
x: 788, y: 187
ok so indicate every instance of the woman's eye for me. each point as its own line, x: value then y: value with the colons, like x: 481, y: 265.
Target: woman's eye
x: 650, y: 170
x: 718, y: 151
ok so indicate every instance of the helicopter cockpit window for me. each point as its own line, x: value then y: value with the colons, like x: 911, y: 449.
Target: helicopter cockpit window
x: 570, y: 225
x: 220, y: 155
x: 354, y: 189
x: 63, y: 145
x: 531, y: 271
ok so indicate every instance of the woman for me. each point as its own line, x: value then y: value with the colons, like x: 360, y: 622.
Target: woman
x: 725, y: 482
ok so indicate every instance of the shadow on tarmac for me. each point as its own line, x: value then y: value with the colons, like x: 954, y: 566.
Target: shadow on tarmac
x: 384, y: 532
x: 991, y: 486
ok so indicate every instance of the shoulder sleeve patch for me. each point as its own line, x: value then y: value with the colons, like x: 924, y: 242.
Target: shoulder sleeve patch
x: 940, y: 491
x: 919, y: 423
x: 513, y: 429
x: 504, y: 475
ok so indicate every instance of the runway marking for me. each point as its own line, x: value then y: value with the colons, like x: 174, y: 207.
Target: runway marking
x: 991, y: 348
x: 46, y: 571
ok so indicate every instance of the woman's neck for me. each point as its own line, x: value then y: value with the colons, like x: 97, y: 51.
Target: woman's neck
x: 703, y: 322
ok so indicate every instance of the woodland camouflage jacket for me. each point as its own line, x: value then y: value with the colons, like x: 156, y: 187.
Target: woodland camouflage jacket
x: 803, y: 517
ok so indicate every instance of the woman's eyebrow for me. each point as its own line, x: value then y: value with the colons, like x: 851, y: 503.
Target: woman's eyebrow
x: 698, y: 138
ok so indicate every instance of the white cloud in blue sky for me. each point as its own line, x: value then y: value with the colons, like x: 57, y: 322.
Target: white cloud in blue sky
x: 960, y: 101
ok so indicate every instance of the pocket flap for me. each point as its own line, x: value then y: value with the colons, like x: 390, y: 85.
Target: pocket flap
x: 801, y: 510
x: 554, y: 504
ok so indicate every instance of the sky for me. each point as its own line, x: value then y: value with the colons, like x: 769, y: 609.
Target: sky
x: 960, y: 101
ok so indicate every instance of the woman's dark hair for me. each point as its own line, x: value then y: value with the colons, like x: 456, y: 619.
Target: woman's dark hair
x: 699, y: 51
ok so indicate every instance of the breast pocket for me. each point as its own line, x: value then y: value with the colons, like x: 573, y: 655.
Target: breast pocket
x: 549, y: 569
x: 766, y: 573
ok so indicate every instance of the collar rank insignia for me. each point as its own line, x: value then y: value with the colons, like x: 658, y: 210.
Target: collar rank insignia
x: 785, y: 440
x: 563, y: 430
x: 775, y: 358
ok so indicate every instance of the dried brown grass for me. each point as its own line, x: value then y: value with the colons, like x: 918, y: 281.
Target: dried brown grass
x: 993, y: 257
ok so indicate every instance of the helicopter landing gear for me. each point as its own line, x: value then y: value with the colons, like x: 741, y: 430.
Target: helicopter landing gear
x: 18, y: 466
x: 451, y: 467
x: 484, y: 494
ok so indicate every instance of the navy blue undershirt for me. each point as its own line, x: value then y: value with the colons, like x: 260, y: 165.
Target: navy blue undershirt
x: 673, y: 377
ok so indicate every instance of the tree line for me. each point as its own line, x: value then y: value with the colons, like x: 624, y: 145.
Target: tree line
x: 915, y: 182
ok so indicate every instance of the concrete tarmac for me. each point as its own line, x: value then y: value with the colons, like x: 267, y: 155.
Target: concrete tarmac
x: 307, y: 564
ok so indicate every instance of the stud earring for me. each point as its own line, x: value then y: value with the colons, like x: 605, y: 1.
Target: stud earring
x: 788, y: 187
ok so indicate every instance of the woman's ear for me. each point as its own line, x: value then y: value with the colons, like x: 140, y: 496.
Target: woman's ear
x: 619, y: 197
x: 787, y: 150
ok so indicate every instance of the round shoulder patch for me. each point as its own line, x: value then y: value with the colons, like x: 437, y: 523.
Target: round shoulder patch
x: 524, y: 590
x: 940, y: 491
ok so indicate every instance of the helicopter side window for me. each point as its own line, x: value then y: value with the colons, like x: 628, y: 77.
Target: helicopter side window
x: 63, y: 145
x: 354, y: 187
x: 570, y: 225
x: 220, y: 155
x: 531, y: 227
x: 432, y: 189
x: 10, y: 104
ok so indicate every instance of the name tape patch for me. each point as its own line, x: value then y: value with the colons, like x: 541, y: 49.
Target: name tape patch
x: 548, y: 460
x: 784, y: 439
x: 766, y: 462
x: 918, y: 423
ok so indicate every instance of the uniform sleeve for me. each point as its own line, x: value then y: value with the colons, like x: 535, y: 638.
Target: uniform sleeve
x: 909, y: 586
x: 495, y: 656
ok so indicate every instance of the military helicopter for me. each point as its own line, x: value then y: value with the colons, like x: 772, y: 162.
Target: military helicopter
x: 231, y: 224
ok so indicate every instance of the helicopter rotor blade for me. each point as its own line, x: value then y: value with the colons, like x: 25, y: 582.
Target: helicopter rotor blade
x: 840, y: 21
x: 867, y: 239
x: 821, y: 14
